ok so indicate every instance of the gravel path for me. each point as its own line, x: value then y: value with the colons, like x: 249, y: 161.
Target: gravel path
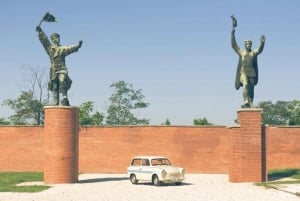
x: 117, y: 187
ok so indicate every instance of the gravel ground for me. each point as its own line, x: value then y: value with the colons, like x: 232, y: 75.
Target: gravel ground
x: 117, y: 187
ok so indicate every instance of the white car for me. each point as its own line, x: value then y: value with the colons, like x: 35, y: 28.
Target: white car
x: 156, y: 169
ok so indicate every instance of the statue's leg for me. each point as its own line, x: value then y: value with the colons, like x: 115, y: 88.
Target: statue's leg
x: 56, y: 97
x: 250, y: 99
x: 245, y: 83
x: 63, y: 90
x: 65, y: 100
x: 55, y: 90
x: 251, y: 91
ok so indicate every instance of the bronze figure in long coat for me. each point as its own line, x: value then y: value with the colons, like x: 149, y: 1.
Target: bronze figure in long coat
x: 247, y: 68
x: 60, y: 81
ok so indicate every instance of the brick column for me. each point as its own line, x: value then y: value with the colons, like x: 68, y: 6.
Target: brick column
x: 61, y: 144
x: 248, y: 156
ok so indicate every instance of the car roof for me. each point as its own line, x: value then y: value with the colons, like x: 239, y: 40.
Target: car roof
x: 149, y: 157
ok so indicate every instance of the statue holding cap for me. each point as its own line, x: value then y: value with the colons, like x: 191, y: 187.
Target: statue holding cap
x: 247, y: 68
x: 60, y: 81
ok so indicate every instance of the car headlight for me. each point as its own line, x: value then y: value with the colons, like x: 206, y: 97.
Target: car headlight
x: 164, y: 173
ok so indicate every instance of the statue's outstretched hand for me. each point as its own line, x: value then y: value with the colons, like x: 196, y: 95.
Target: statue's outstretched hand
x: 262, y: 38
x: 80, y: 44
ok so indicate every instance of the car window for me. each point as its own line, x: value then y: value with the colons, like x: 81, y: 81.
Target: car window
x: 160, y: 161
x: 136, y: 162
x: 145, y: 162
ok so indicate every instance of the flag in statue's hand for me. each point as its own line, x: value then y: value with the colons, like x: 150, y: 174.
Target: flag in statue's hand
x: 48, y: 18
x: 234, y: 22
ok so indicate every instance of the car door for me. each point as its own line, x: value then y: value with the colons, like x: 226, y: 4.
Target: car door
x: 145, y: 170
x: 136, y: 167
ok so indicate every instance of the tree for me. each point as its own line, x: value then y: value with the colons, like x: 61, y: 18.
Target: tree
x: 123, y: 102
x: 4, y: 122
x: 27, y: 109
x: 201, y: 122
x: 85, y: 116
x: 294, y: 109
x: 36, y: 81
x: 280, y: 113
x: 29, y: 106
x: 167, y: 122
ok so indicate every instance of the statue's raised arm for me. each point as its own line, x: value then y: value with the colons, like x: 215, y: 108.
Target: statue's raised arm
x: 234, y: 44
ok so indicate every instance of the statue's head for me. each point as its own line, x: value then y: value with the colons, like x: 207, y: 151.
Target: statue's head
x: 55, y: 38
x: 248, y: 45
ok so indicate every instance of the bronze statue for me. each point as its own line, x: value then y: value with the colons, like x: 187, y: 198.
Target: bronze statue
x: 59, y: 82
x: 247, y: 69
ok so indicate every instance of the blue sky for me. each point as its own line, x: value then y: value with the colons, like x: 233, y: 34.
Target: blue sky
x: 177, y: 52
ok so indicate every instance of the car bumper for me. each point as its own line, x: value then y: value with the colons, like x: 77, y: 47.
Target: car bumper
x: 172, y: 179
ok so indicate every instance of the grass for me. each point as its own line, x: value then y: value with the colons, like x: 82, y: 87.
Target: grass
x: 283, y: 173
x: 290, y: 176
x: 9, y: 180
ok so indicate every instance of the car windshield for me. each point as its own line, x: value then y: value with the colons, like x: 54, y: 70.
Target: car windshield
x: 160, y: 161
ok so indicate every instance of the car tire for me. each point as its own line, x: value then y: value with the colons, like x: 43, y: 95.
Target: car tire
x: 177, y: 183
x: 133, y: 179
x: 155, y: 180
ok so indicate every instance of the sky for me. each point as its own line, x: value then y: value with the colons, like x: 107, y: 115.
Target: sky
x: 178, y: 52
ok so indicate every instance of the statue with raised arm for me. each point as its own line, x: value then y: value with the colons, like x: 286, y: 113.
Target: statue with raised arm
x: 247, y: 69
x: 60, y: 81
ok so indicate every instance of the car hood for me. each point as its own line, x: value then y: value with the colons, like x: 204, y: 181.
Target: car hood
x: 170, y: 169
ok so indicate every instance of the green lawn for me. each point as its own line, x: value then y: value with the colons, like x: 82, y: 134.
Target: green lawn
x: 282, y: 176
x: 290, y: 176
x: 8, y: 181
x: 282, y: 173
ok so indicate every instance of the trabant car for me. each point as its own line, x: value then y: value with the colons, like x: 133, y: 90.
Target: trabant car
x: 156, y: 169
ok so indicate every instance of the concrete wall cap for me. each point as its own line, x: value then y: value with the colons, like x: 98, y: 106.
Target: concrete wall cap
x: 60, y: 107
x: 249, y: 110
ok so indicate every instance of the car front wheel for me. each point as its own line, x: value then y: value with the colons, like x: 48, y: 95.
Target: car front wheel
x: 133, y: 179
x: 155, y: 180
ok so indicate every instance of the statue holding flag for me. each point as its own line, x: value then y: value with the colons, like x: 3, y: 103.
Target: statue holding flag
x: 59, y: 81
x: 247, y: 68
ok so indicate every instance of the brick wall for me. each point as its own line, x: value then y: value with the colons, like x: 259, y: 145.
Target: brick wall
x: 283, y: 147
x: 198, y: 149
x: 21, y: 148
x: 109, y: 149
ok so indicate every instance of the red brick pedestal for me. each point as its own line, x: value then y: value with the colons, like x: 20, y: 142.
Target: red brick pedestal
x: 61, y: 144
x: 248, y: 156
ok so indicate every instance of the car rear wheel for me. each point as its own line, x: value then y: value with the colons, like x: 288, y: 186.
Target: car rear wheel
x: 155, y: 180
x: 177, y: 183
x: 133, y: 179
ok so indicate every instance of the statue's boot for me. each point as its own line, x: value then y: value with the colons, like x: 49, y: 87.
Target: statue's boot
x: 65, y: 100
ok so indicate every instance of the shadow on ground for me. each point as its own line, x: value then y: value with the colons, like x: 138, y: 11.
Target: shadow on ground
x: 106, y: 179
x: 163, y: 184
